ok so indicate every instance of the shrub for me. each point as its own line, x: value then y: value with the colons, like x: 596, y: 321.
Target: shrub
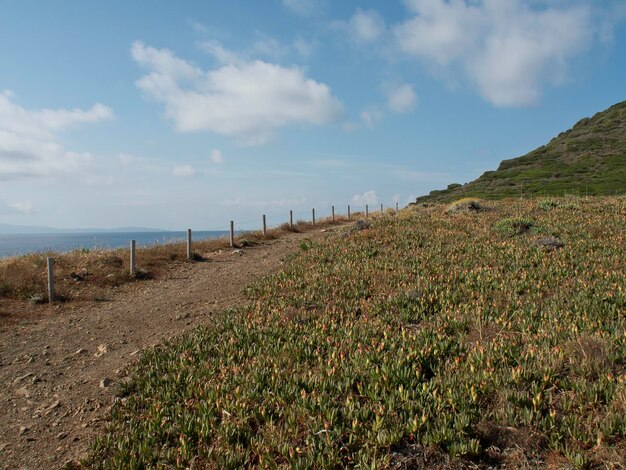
x: 512, y: 226
x: 467, y: 204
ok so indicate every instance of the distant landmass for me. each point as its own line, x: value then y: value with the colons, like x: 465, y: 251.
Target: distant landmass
x: 588, y: 159
x: 6, y: 229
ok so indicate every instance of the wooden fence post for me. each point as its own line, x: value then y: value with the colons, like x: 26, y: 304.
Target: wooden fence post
x: 381, y: 209
x: 232, y: 233
x: 264, y: 226
x: 133, y: 258
x: 290, y: 219
x: 367, y: 211
x: 333, y: 214
x: 188, y: 243
x: 313, y: 217
x: 50, y: 263
x: 348, y: 211
x: 396, y: 207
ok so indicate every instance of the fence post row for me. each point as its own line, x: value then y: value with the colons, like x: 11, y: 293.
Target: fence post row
x: 232, y: 233
x: 50, y: 263
x: 133, y: 258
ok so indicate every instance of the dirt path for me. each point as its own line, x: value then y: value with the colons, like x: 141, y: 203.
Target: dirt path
x: 58, y: 372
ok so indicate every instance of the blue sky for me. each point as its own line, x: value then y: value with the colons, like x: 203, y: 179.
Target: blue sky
x: 190, y: 114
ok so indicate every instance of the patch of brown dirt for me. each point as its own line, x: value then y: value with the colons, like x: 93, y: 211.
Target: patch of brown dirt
x: 59, y: 364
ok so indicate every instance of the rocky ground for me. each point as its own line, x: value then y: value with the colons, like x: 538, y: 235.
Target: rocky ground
x: 59, y: 364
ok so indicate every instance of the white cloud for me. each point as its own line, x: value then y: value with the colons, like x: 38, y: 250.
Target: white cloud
x: 303, y: 7
x: 370, y: 117
x: 367, y: 26
x: 245, y: 202
x: 507, y: 49
x: 368, y: 197
x: 216, y: 156
x: 304, y: 48
x: 25, y: 207
x: 246, y: 99
x: 402, y: 98
x: 30, y: 141
x: 183, y: 171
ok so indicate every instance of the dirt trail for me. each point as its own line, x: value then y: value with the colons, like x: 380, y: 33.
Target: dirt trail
x: 58, y: 371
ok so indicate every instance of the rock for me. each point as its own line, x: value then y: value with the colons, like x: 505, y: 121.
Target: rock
x: 75, y: 277
x: 238, y: 252
x: 22, y: 377
x: 61, y: 435
x: 24, y: 430
x: 51, y: 408
x: 548, y: 243
x: 23, y: 392
x: 360, y: 225
x: 102, y: 350
x: 105, y: 383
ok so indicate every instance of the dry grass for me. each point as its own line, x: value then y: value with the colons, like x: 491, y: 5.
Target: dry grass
x: 90, y: 275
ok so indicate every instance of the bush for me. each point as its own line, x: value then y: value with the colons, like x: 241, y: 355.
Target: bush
x: 467, y: 204
x: 512, y: 226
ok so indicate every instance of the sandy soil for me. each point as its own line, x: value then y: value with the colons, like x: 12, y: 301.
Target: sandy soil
x: 58, y: 368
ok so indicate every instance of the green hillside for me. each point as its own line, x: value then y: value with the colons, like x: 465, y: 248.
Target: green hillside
x: 588, y: 159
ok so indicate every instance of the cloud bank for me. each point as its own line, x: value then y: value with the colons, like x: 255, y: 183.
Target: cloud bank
x: 30, y: 139
x: 506, y: 49
x: 245, y: 99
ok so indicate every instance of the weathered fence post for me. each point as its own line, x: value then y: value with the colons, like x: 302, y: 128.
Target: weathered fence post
x: 232, y: 233
x: 188, y: 243
x: 333, y: 214
x: 396, y: 207
x: 314, y: 217
x: 381, y: 209
x: 50, y: 263
x: 367, y: 211
x: 348, y: 211
x: 133, y: 258
x: 264, y: 226
x: 290, y: 219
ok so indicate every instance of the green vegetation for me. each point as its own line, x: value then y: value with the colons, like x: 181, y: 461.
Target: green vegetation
x: 589, y: 159
x: 428, y: 339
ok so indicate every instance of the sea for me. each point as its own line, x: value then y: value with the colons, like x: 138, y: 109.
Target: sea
x: 13, y: 245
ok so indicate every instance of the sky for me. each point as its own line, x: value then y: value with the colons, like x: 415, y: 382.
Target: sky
x: 191, y: 114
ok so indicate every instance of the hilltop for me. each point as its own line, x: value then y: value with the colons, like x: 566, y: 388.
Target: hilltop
x: 588, y: 159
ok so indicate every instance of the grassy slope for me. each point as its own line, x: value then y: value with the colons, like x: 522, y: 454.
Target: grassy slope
x: 429, y: 339
x: 589, y: 159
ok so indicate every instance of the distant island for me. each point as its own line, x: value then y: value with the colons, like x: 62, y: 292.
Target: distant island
x: 6, y: 229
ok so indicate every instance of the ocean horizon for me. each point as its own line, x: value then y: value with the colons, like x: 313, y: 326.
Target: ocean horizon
x: 21, y: 244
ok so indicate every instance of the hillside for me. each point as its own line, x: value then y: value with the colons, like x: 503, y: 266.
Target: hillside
x: 425, y: 340
x: 589, y: 159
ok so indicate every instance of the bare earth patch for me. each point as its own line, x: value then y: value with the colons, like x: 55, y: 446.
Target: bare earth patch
x: 59, y: 364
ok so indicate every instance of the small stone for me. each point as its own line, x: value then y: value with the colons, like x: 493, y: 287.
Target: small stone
x: 106, y: 382
x: 24, y: 430
x: 548, y: 243
x: 22, y: 377
x: 22, y: 392
x: 102, y: 350
x: 61, y: 435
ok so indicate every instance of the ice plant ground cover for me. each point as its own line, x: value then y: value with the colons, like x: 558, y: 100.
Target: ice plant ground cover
x: 428, y: 339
